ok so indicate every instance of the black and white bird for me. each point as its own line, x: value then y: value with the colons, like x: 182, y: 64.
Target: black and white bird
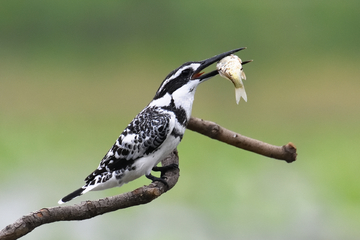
x: 154, y: 133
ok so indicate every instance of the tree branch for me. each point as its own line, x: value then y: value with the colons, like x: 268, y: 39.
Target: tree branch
x: 145, y: 194
x: 213, y: 130
x: 90, y: 209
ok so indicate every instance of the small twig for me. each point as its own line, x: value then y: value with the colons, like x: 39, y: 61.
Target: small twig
x: 213, y: 130
x: 89, y: 209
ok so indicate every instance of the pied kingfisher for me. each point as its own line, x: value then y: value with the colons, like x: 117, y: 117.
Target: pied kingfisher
x: 154, y: 133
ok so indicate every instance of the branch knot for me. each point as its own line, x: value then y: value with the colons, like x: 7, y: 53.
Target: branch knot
x: 215, y: 131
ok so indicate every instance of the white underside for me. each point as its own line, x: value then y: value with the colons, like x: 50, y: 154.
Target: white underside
x: 143, y: 166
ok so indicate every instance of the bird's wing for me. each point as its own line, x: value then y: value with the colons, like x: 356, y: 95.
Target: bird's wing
x: 143, y: 136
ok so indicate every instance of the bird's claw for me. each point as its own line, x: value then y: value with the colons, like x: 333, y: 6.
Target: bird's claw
x: 164, y: 169
x: 153, y: 179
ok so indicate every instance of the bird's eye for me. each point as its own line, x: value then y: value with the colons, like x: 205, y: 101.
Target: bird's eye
x: 186, y: 72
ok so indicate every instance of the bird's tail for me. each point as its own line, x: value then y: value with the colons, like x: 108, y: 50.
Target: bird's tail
x: 72, y: 195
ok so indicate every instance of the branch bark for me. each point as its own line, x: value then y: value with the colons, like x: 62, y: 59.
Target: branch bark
x: 286, y: 152
x: 145, y: 194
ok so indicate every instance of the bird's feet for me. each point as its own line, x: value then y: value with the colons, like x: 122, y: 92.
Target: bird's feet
x: 153, y: 179
x: 163, y: 170
x: 166, y: 168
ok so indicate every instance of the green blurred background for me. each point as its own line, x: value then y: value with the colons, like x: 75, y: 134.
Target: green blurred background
x: 73, y: 74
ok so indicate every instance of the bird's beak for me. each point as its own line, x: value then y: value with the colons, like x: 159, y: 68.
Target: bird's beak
x: 207, y: 62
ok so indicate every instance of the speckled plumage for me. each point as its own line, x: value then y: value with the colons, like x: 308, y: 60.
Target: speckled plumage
x: 142, y: 137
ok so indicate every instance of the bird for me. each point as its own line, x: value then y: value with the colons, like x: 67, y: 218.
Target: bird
x: 154, y: 133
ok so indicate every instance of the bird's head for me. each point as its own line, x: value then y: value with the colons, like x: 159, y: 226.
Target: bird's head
x: 188, y: 76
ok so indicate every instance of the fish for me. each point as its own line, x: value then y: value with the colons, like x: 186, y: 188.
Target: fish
x: 231, y: 68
